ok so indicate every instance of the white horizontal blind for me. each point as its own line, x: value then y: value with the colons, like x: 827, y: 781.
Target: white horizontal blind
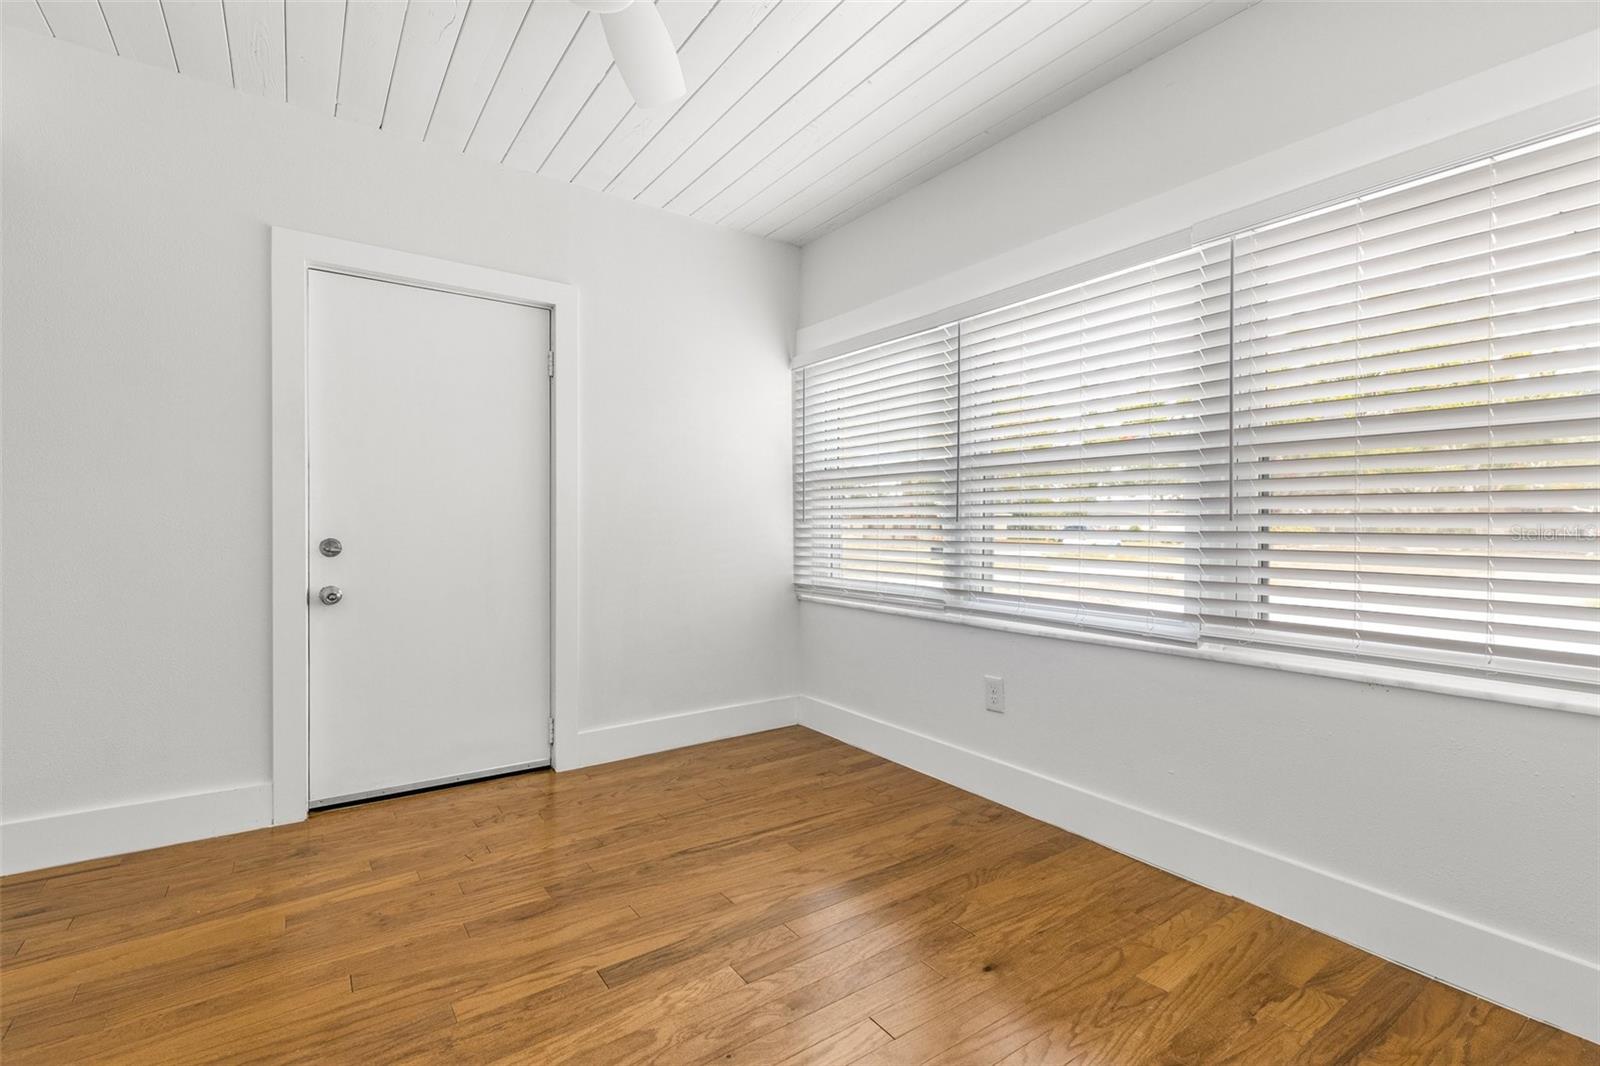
x: 1417, y: 422
x: 1371, y: 430
x: 1094, y: 442
x: 875, y: 456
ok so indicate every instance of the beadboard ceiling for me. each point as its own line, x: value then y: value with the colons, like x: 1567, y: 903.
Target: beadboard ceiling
x: 800, y: 114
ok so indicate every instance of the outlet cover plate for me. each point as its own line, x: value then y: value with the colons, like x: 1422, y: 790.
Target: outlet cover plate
x: 994, y: 694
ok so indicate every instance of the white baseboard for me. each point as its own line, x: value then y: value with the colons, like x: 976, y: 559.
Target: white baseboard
x: 54, y: 840
x: 1534, y: 980
x: 650, y: 735
x: 35, y: 843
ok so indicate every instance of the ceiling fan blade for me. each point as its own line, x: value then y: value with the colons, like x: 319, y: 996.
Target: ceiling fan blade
x: 644, y: 53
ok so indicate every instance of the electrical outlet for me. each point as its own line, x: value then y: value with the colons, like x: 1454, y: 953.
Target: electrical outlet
x: 994, y: 694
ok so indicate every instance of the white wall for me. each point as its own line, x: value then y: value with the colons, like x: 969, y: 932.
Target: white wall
x: 1240, y: 113
x: 136, y: 423
x: 1456, y: 835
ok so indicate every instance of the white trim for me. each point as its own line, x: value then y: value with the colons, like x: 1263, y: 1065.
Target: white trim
x: 55, y: 839
x: 1528, y: 97
x: 1388, y: 675
x: 293, y: 254
x: 1079, y: 272
x: 1427, y: 158
x: 1530, y: 978
x: 647, y: 736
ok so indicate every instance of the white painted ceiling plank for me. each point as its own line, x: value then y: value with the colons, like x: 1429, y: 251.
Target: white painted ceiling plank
x: 371, y: 38
x: 699, y: 134
x: 25, y: 15
x: 545, y: 36
x: 905, y: 75
x: 139, y: 30
x: 79, y: 21
x: 481, y: 48
x: 800, y: 114
x: 432, y: 28
x: 313, y: 38
x: 599, y: 115
x: 199, y: 39
x: 704, y: 57
x: 606, y: 108
x: 575, y: 79
x: 255, y: 40
x: 1030, y: 75
x: 698, y: 176
x: 951, y: 91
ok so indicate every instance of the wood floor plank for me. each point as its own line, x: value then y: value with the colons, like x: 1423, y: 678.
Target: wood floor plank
x: 772, y: 899
x: 842, y: 1047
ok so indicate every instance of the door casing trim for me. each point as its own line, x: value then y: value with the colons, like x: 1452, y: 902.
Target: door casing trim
x: 294, y: 255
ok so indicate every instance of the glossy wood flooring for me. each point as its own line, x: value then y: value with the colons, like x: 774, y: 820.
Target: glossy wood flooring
x: 773, y: 899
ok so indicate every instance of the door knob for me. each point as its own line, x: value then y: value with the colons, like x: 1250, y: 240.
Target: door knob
x: 330, y: 594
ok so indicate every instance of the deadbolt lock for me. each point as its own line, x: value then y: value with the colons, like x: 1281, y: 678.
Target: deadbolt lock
x: 330, y: 546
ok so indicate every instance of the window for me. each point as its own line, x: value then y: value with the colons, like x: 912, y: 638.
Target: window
x: 1371, y: 430
x: 875, y: 455
x: 1094, y: 438
x: 1416, y: 457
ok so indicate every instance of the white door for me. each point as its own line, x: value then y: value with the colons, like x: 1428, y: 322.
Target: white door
x: 428, y: 456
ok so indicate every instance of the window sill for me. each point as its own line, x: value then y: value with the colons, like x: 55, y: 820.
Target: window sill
x: 1498, y: 690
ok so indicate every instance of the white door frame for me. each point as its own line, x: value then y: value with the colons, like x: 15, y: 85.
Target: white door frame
x: 294, y: 254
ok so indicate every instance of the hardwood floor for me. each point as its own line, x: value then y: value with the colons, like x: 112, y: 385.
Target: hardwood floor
x: 773, y: 899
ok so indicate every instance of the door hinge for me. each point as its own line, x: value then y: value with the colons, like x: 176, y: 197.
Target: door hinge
x: 551, y: 735
x: 550, y: 364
